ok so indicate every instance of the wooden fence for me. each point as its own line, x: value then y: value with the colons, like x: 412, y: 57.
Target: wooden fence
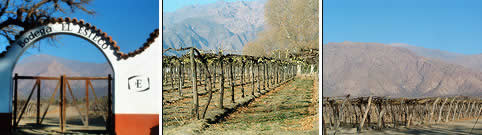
x: 64, y: 89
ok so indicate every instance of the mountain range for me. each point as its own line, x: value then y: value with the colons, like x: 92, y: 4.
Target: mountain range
x: 473, y: 61
x: 52, y: 66
x: 220, y: 25
x: 396, y: 70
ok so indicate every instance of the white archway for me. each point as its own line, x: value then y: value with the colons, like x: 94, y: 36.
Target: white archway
x: 131, y: 104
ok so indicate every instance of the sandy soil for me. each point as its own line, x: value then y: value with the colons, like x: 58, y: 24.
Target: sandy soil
x: 50, y: 125
x: 462, y: 127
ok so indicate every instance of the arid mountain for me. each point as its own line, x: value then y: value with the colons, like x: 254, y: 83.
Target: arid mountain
x: 47, y: 65
x: 470, y: 61
x: 226, y: 25
x: 362, y: 69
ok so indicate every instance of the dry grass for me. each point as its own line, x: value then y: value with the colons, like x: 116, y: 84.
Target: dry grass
x: 285, y: 110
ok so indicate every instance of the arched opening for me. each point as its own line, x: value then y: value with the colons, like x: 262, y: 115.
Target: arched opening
x: 86, y: 97
x: 65, y: 85
x: 37, y: 103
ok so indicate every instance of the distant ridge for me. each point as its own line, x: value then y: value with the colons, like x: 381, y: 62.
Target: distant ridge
x: 471, y: 61
x: 225, y: 25
x: 362, y: 69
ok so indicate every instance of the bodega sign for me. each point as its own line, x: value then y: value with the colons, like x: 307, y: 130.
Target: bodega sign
x: 88, y: 32
x: 136, y: 95
x: 33, y: 35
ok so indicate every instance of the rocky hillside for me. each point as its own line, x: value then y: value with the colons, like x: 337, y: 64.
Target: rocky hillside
x: 376, y: 69
x: 473, y: 61
x: 226, y: 25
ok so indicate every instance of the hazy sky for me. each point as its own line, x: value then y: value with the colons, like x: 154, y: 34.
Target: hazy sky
x: 129, y: 22
x: 454, y: 26
x: 173, y: 5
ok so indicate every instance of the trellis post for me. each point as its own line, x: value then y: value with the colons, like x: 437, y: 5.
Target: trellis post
x: 259, y: 79
x: 180, y: 78
x: 433, y: 109
x: 365, y: 114
x: 252, y: 76
x: 195, y: 100
x: 221, y: 93
x: 450, y: 109
x: 264, y: 76
x: 242, y: 78
x: 232, y: 78
x: 441, y: 108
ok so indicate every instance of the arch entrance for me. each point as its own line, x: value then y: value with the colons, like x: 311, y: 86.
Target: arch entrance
x: 134, y: 91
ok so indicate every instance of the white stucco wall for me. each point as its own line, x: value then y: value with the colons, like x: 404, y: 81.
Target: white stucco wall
x: 146, y: 65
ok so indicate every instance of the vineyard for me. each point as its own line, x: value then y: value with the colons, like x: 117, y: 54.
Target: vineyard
x: 209, y: 86
x: 379, y: 113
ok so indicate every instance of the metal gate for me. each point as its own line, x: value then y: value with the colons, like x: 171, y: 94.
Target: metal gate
x: 63, y: 85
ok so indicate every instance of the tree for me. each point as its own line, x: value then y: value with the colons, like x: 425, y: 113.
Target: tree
x: 16, y: 16
x: 290, y: 24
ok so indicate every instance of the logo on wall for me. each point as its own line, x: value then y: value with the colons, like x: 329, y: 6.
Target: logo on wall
x: 138, y: 83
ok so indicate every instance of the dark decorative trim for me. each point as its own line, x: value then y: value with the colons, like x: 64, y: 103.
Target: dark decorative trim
x: 113, y: 43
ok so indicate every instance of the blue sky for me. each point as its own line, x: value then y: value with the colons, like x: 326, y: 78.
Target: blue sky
x: 173, y: 5
x: 454, y: 26
x: 129, y: 23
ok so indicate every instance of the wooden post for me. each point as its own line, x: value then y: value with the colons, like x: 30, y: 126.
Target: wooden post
x: 259, y: 79
x: 462, y: 107
x: 471, y: 109
x: 433, y: 109
x: 410, y: 114
x: 232, y: 79
x: 365, y: 114
x: 171, y: 73
x: 335, y: 112
x: 441, y: 108
x: 267, y: 75
x: 86, y: 103
x: 464, y: 114
x: 450, y: 109
x: 242, y: 78
x: 394, y: 116
x: 180, y: 79
x: 61, y: 103
x: 38, y: 101
x: 455, y: 109
x: 264, y: 76
x: 252, y: 80
x: 380, y: 114
x: 356, y: 115
x: 215, y: 72
x: 221, y: 93
x: 195, y: 100
x: 340, y: 114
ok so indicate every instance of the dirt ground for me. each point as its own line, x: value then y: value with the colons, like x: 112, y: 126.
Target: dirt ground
x: 50, y: 125
x: 288, y: 109
x: 178, y: 113
x: 461, y: 127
